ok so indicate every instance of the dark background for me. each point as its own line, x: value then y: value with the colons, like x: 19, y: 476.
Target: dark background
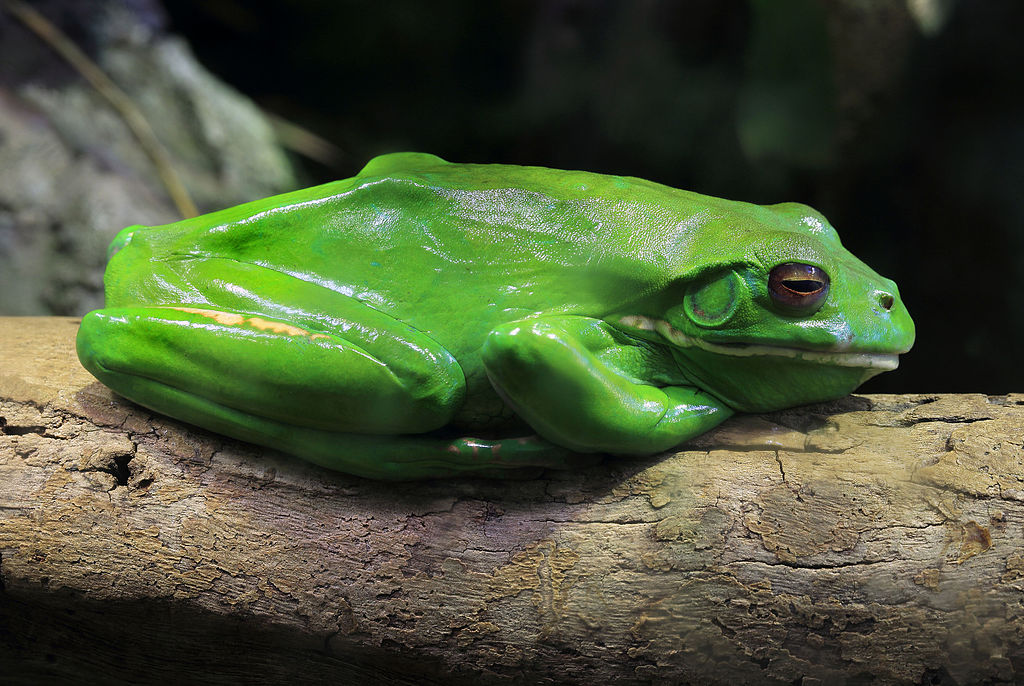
x: 909, y: 137
x: 905, y: 128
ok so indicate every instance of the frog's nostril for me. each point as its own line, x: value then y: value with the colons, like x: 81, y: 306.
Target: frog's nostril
x: 886, y: 300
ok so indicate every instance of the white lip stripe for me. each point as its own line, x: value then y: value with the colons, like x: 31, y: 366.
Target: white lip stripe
x: 883, y: 361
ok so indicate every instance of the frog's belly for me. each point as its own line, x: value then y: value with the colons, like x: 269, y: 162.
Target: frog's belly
x: 483, y: 410
x: 489, y: 416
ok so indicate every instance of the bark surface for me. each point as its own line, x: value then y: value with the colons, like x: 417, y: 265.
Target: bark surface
x: 877, y: 539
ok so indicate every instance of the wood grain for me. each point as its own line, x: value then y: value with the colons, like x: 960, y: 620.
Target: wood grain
x: 876, y: 539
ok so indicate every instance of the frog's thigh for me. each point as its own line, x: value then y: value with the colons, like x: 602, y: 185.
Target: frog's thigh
x: 560, y: 374
x: 270, y: 368
x: 401, y: 457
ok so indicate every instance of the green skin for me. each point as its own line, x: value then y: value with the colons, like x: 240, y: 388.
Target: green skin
x: 370, y: 325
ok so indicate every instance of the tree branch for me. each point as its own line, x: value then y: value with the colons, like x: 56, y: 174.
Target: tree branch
x: 877, y: 539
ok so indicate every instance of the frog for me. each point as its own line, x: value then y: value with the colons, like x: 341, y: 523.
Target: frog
x: 430, y: 319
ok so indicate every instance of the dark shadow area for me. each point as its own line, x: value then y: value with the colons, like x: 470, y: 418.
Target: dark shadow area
x: 62, y: 638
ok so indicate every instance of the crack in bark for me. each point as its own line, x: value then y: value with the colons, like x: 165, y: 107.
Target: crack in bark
x: 963, y: 491
x: 617, y: 522
x: 23, y: 430
x: 119, y: 469
x: 30, y: 430
x: 906, y: 423
x: 726, y: 631
x: 815, y: 566
x: 782, y: 471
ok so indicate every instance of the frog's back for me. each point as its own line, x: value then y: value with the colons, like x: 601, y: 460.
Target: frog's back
x: 453, y: 248
x: 458, y: 213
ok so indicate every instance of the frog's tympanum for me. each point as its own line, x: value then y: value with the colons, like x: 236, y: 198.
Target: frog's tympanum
x: 426, y: 318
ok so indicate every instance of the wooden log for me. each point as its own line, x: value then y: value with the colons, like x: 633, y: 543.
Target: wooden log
x: 876, y: 539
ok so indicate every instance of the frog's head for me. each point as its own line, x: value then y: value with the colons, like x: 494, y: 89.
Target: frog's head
x: 780, y: 314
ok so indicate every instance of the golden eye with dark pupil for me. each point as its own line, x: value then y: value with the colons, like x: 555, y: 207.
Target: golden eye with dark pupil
x: 798, y: 288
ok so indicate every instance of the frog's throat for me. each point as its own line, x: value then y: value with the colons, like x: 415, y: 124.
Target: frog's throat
x: 880, y: 361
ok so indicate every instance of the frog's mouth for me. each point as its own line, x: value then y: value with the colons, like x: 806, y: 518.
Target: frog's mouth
x: 879, y: 361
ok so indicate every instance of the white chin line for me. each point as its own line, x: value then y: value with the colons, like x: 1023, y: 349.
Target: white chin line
x: 880, y: 361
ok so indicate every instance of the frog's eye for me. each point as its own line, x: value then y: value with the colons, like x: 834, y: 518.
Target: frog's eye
x: 798, y: 288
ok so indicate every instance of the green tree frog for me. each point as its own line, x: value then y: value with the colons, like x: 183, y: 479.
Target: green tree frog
x: 425, y: 318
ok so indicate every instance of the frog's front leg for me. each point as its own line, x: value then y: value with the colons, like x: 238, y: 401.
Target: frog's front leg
x: 272, y: 369
x: 582, y: 384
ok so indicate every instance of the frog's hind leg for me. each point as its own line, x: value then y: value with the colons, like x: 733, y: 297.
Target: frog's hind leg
x: 270, y: 369
x: 401, y: 457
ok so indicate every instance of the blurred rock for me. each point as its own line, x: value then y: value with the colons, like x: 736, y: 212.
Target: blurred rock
x: 71, y: 172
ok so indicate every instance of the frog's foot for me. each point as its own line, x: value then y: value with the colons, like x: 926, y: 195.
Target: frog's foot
x: 578, y: 384
x: 270, y: 369
x: 524, y: 456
